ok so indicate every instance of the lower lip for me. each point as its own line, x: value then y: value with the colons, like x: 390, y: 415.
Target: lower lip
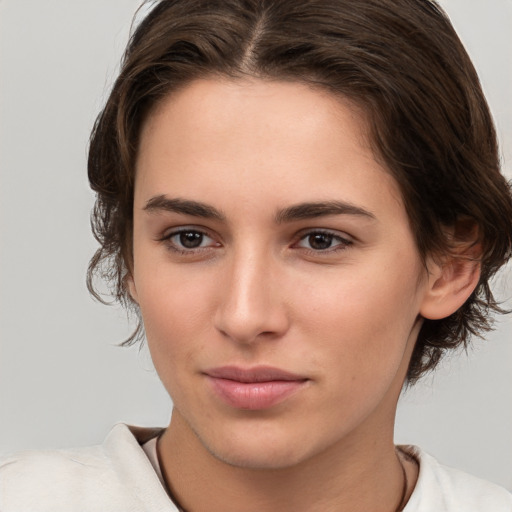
x: 255, y: 395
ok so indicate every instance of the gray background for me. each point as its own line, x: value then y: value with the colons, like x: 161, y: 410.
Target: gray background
x: 63, y: 381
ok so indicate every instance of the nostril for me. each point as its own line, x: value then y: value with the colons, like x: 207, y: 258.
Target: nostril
x: 250, y: 306
x: 253, y: 326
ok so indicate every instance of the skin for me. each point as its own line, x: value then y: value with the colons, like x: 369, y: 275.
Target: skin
x: 257, y: 291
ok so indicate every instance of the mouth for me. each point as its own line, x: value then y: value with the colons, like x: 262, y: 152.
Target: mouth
x: 256, y: 388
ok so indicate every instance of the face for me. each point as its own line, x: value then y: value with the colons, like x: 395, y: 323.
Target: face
x: 275, y: 270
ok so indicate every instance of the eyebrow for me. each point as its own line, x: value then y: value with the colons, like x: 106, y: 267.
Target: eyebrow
x: 320, y: 209
x: 292, y: 213
x: 183, y: 206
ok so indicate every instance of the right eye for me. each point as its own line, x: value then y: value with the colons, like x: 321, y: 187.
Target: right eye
x: 188, y: 240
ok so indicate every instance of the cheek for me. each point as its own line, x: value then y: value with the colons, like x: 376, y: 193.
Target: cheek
x: 175, y: 309
x: 363, y: 319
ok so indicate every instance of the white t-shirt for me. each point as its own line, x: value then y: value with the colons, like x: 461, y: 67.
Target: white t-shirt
x: 122, y: 475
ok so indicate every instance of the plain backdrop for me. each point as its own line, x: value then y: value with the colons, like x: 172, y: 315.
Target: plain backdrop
x: 63, y: 380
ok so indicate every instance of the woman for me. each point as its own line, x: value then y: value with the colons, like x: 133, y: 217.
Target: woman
x: 303, y: 202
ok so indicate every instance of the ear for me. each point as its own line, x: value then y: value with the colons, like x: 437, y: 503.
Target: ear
x: 451, y: 281
x: 129, y: 283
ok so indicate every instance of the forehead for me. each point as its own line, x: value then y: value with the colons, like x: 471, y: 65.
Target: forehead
x: 259, y: 139
x: 258, y: 108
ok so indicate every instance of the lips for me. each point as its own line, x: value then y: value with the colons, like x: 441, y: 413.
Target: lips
x: 255, y: 388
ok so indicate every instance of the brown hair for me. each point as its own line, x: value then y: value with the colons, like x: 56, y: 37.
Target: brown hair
x: 400, y: 60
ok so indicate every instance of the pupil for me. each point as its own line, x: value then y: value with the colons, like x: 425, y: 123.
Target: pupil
x: 191, y: 239
x: 320, y: 241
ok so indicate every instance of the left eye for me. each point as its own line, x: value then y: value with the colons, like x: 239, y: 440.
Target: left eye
x: 320, y: 241
x: 190, y: 239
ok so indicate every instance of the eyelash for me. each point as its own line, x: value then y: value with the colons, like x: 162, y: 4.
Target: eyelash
x: 167, y: 239
x: 343, y: 243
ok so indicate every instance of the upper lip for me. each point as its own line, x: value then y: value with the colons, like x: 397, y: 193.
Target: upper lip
x: 255, y: 374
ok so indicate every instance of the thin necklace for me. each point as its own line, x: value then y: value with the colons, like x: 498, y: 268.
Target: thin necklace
x: 403, y: 501
x: 401, y: 505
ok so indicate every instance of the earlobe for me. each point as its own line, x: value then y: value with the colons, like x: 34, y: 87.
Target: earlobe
x: 130, y: 286
x: 449, y: 286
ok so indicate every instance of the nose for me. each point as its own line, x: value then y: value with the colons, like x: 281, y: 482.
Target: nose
x: 251, y: 305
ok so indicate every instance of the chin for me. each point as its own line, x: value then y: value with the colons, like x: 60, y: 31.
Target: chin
x: 263, y: 450
x: 257, y: 459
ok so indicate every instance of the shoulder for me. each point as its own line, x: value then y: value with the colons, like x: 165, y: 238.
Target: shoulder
x: 114, y: 476
x: 447, y: 489
x: 53, y: 479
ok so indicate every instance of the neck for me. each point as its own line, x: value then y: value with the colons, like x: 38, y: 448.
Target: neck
x: 351, y: 476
